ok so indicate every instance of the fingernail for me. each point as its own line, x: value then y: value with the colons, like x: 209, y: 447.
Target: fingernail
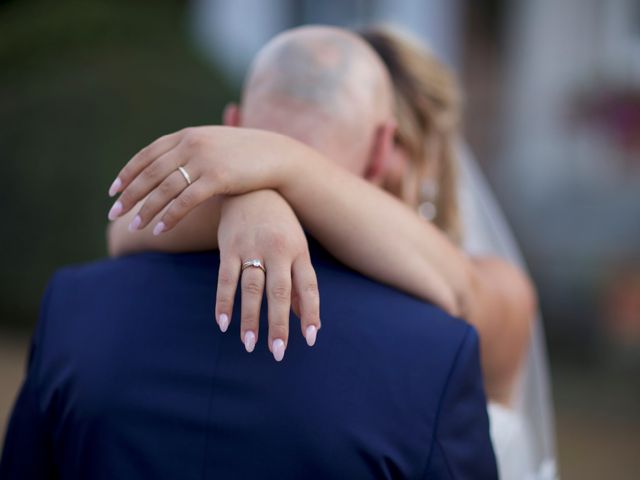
x: 223, y: 321
x: 310, y: 334
x: 115, y: 211
x: 159, y: 228
x: 115, y: 187
x: 249, y: 341
x: 135, y: 223
x: 278, y: 349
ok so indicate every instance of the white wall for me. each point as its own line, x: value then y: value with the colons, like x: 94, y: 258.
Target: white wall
x: 568, y: 179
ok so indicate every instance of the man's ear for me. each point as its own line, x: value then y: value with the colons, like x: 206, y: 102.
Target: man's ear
x: 381, y: 150
x: 231, y: 115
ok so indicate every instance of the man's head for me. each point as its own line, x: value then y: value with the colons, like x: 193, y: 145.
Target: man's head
x: 326, y: 87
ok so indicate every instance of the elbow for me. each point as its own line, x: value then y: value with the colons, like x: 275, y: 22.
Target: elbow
x: 523, y: 303
x: 456, y: 299
x: 449, y: 305
x: 527, y: 297
x: 464, y: 292
x: 454, y: 302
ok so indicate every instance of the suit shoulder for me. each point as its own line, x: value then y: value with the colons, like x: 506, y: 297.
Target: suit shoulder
x: 128, y: 264
x: 71, y: 283
x: 462, y: 408
x: 80, y: 271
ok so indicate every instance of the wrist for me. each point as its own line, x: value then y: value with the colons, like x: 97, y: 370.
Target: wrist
x: 288, y: 155
x: 254, y: 198
x: 297, y: 163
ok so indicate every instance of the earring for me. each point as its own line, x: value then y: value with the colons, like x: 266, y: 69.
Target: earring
x: 428, y: 194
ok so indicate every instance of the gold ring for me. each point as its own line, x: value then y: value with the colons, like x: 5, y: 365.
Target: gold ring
x: 253, y: 263
x: 185, y: 174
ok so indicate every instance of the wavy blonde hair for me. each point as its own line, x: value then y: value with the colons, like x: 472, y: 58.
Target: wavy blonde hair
x: 428, y: 110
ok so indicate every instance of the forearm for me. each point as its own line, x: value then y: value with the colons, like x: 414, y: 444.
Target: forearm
x: 196, y: 232
x: 376, y: 234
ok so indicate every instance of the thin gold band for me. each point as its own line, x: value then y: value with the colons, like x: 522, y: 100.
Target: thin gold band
x: 253, y: 263
x: 185, y: 174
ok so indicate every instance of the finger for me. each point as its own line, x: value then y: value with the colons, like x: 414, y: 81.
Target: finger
x: 143, y: 158
x: 159, y: 198
x: 305, y: 283
x: 152, y: 176
x: 279, y: 300
x: 251, y: 288
x: 228, y: 276
x: 191, y: 197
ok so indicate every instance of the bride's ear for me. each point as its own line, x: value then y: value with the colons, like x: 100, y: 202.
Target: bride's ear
x: 231, y: 115
x: 381, y: 151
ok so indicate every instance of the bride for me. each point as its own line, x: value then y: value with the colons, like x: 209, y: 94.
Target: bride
x: 427, y: 250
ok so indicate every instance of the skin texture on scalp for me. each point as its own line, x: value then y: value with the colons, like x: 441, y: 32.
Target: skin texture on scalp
x: 323, y: 86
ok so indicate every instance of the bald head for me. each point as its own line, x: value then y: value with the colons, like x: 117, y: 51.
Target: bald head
x: 323, y: 86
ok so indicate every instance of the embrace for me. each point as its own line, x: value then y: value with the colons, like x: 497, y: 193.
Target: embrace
x: 330, y: 192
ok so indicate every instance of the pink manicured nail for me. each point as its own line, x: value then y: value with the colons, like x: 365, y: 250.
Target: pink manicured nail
x: 159, y: 228
x: 135, y: 223
x: 115, y: 211
x: 115, y: 187
x: 310, y: 334
x: 278, y: 349
x: 249, y: 341
x: 223, y: 322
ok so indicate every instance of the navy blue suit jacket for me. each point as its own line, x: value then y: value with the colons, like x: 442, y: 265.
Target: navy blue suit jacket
x: 130, y: 378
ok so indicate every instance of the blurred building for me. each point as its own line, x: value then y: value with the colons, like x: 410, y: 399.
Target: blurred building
x: 571, y: 158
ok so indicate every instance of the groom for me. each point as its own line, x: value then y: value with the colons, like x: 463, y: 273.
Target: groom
x: 128, y: 378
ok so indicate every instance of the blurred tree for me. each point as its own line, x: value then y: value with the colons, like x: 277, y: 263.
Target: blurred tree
x: 83, y: 86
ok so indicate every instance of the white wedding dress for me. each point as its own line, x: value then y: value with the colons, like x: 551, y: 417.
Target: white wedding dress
x: 523, y: 436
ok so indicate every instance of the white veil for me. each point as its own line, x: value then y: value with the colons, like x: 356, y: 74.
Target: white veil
x: 486, y: 232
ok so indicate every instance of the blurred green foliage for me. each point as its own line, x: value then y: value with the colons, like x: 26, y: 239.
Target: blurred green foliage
x: 83, y: 86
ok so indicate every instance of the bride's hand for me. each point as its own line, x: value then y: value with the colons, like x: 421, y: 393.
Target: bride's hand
x: 187, y: 167
x: 261, y: 225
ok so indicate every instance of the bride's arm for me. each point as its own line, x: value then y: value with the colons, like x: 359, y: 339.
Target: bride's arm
x: 361, y: 225
x: 376, y: 234
x: 336, y: 207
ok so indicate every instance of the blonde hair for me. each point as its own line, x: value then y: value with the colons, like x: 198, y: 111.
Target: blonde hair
x: 428, y: 109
